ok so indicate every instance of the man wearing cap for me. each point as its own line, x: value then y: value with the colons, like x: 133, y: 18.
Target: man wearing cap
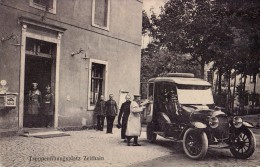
x: 111, y: 112
x: 100, y: 111
x: 124, y: 114
x: 35, y: 98
x: 133, y: 129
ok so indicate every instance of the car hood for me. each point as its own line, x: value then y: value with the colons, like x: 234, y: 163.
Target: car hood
x: 201, y: 112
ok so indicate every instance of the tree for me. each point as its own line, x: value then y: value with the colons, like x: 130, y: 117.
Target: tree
x: 187, y: 26
x: 158, y: 62
x: 146, y: 25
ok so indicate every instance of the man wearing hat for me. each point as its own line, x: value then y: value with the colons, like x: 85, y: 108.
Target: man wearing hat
x: 133, y: 128
x: 100, y: 111
x: 123, y: 114
x: 111, y: 112
x: 35, y: 98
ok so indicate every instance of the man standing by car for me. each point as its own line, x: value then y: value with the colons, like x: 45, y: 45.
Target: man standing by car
x: 133, y: 129
x: 100, y: 111
x: 111, y: 112
x: 124, y: 113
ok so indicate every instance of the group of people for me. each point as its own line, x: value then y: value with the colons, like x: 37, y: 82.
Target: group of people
x: 106, y: 109
x: 40, y: 107
x: 129, y: 118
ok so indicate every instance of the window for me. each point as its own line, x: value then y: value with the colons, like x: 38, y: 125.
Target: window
x: 39, y: 48
x: 46, y: 5
x: 97, y: 81
x: 100, y: 13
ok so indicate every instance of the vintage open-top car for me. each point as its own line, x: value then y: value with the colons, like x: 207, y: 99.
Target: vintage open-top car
x: 181, y: 107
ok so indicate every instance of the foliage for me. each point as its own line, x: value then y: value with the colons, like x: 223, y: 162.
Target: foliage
x: 158, y: 62
x: 146, y: 25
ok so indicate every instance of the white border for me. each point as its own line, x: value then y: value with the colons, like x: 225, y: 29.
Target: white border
x: 89, y: 79
x: 57, y: 41
x: 37, y: 6
x: 93, y: 16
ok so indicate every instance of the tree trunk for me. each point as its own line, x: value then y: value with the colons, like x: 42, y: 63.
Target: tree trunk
x: 202, y: 66
x: 216, y: 85
x: 219, y: 81
x: 254, y: 95
x: 243, y: 93
x: 234, y: 90
x: 228, y: 93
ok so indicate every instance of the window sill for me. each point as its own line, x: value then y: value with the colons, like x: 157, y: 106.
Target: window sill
x: 100, y: 27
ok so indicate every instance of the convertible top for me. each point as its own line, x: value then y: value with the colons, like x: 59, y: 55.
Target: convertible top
x: 181, y: 81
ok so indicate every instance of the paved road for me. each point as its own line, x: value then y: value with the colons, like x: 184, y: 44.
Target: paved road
x: 95, y: 148
x: 214, y: 157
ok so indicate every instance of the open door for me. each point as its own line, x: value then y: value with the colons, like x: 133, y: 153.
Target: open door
x: 148, y: 111
x: 122, y: 95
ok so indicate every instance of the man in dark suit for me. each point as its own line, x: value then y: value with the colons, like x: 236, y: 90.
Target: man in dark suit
x: 123, y: 114
x: 111, y: 112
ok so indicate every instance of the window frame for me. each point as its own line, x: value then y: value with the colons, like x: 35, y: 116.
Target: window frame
x: 105, y: 63
x: 38, y: 6
x: 108, y: 16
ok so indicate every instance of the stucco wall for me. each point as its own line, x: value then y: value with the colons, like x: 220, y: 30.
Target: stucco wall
x: 120, y: 47
x: 9, y: 64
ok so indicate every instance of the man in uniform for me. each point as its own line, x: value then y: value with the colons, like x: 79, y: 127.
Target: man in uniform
x: 111, y: 112
x: 100, y: 111
x: 133, y: 129
x: 48, y: 107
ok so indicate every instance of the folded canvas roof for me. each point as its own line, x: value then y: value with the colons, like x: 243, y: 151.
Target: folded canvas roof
x: 181, y: 80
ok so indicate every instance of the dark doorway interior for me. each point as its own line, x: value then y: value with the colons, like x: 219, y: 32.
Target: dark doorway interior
x: 37, y: 70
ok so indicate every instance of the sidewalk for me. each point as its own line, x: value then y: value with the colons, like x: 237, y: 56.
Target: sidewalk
x: 82, y: 148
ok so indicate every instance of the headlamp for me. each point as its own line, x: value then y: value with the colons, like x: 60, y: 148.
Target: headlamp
x: 237, y: 122
x: 213, y: 122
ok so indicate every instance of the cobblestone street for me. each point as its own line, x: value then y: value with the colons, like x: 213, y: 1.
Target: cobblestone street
x: 96, y: 148
x: 80, y: 149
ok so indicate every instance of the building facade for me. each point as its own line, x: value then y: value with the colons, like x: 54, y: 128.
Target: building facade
x: 80, y: 49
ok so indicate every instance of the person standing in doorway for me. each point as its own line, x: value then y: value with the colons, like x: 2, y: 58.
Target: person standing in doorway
x: 111, y: 112
x: 124, y: 114
x: 35, y: 98
x: 48, y: 107
x: 100, y: 112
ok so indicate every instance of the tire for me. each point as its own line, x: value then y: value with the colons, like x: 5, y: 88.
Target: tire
x: 195, y: 143
x: 151, y: 137
x: 243, y: 144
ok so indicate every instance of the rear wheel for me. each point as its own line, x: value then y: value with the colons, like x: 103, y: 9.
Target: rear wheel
x: 195, y: 143
x: 243, y: 144
x: 151, y: 136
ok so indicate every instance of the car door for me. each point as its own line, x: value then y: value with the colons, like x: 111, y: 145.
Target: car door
x: 148, y: 111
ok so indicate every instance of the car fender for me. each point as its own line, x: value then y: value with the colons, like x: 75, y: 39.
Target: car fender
x: 199, y: 125
x: 248, y: 124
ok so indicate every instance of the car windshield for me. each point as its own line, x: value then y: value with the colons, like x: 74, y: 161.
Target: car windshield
x: 191, y: 94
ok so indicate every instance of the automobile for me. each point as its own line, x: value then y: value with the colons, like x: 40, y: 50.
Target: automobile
x: 181, y: 107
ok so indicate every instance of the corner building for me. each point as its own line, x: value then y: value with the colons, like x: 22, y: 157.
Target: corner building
x: 80, y: 48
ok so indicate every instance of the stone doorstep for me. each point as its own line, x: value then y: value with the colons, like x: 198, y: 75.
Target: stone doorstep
x: 39, y: 132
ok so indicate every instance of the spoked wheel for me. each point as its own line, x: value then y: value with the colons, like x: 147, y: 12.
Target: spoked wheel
x: 243, y: 144
x: 195, y: 143
x: 151, y: 136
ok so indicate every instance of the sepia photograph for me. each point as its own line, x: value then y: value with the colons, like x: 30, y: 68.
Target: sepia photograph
x: 129, y: 83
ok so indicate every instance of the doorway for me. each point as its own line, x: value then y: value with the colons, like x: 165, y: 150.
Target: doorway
x: 39, y: 84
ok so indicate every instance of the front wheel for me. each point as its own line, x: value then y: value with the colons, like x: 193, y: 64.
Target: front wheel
x: 151, y: 136
x: 195, y: 143
x: 243, y: 144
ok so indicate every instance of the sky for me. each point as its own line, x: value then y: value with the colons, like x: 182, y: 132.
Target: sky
x: 147, y: 4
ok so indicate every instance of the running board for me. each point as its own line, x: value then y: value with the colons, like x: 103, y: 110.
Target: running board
x: 167, y: 137
x: 219, y: 146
